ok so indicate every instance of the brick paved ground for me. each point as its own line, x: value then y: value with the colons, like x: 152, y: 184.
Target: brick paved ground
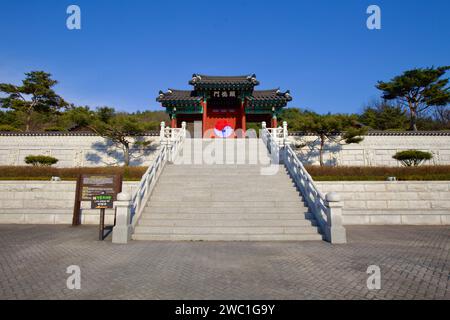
x: 414, y: 261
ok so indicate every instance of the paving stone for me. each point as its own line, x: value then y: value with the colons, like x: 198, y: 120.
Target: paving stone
x: 414, y: 263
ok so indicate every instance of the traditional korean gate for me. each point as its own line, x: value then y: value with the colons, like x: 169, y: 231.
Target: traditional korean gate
x: 223, y: 117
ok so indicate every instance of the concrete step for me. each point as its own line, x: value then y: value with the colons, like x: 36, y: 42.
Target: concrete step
x: 229, y: 216
x: 215, y: 230
x: 223, y: 202
x: 186, y: 184
x: 221, y: 188
x: 230, y: 194
x: 221, y: 167
x: 152, y: 222
x: 216, y: 173
x: 281, y: 203
x: 218, y: 168
x: 229, y: 178
x: 300, y: 208
x: 229, y: 237
x: 242, y: 176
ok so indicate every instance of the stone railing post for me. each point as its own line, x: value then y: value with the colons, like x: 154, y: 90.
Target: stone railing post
x: 123, y: 228
x: 335, y: 231
x: 183, y: 128
x: 162, y: 132
x: 285, y: 132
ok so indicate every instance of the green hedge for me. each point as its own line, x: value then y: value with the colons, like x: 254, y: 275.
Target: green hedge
x: 8, y: 128
x: 40, y: 160
x: 379, y: 173
x: 45, y: 173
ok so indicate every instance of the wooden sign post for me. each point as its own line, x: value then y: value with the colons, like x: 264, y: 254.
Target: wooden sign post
x: 102, y: 201
x: 90, y: 185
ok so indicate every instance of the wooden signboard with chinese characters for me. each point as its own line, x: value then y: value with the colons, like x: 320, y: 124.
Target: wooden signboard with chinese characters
x: 89, y: 185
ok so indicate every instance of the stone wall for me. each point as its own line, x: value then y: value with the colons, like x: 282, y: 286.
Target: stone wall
x: 365, y: 203
x: 401, y: 202
x: 375, y: 150
x: 46, y: 202
x: 72, y: 150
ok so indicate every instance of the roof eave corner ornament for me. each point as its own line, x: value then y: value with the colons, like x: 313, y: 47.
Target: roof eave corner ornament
x: 160, y: 95
x: 252, y: 79
x: 195, y: 78
x: 287, y: 95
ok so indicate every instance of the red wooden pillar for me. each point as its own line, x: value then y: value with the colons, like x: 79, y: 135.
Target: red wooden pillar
x: 274, y: 121
x: 204, y: 116
x: 174, y: 121
x: 243, y: 119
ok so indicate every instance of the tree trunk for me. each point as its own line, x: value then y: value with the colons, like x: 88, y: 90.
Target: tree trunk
x: 322, y: 143
x: 27, y: 122
x: 413, y: 120
x: 126, y: 154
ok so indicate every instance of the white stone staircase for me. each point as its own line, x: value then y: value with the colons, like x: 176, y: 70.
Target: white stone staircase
x: 225, y: 202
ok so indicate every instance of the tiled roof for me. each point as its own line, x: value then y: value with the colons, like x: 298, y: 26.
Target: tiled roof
x: 273, y: 97
x: 272, y: 94
x: 384, y: 133
x: 178, y: 95
x: 224, y: 82
x: 244, y: 84
x: 64, y: 133
x: 408, y: 133
x: 173, y: 98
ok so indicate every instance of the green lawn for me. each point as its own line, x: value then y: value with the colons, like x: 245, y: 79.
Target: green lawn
x: 45, y: 173
x: 379, y: 173
x: 318, y: 173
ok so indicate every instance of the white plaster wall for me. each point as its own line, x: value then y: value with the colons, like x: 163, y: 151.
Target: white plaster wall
x: 385, y: 203
x: 375, y: 150
x: 89, y: 151
x: 46, y: 202
x: 71, y: 150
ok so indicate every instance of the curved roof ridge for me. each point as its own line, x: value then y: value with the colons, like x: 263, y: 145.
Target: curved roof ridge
x: 267, y: 90
x: 244, y: 76
x: 179, y: 90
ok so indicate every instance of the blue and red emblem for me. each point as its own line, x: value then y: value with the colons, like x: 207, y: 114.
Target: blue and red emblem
x: 223, y: 129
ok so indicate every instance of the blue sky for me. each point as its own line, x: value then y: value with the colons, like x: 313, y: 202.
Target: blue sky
x: 127, y: 51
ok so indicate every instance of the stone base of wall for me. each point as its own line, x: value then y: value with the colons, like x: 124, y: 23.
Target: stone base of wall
x: 393, y: 203
x: 365, y: 203
x: 46, y: 202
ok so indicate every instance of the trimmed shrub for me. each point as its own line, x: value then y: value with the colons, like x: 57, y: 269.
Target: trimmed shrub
x: 8, y: 128
x: 40, y: 160
x: 54, y: 129
x: 412, y: 158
